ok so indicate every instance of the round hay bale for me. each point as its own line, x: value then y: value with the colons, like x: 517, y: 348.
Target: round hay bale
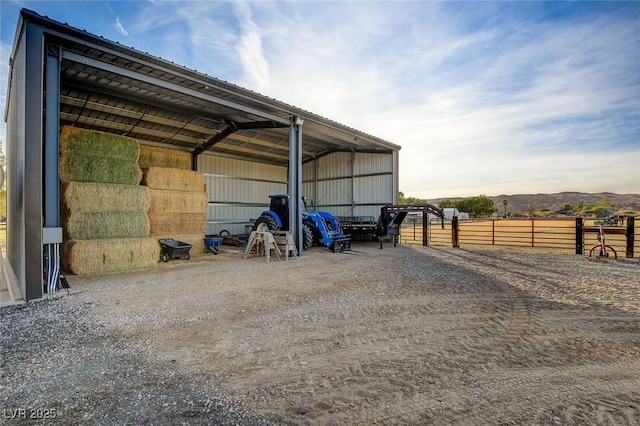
x: 173, y: 179
x: 90, y: 257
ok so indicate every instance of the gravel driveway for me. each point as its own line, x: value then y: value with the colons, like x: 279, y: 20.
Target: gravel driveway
x: 404, y: 335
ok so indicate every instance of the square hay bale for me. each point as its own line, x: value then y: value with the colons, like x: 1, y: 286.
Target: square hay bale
x: 173, y: 179
x: 151, y: 156
x: 75, y: 141
x: 92, y: 156
x: 90, y: 257
x: 165, y: 201
x: 179, y: 223
x: 105, y: 225
x: 100, y: 197
x: 79, y: 168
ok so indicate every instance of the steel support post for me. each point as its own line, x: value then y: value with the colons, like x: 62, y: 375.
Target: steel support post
x: 50, y: 184
x: 32, y: 279
x: 295, y: 182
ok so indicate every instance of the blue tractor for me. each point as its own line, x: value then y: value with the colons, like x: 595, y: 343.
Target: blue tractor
x: 320, y: 227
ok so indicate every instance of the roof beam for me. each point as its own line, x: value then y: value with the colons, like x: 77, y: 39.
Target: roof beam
x: 75, y: 57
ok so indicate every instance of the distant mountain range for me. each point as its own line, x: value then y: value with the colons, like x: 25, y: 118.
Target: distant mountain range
x: 519, y: 202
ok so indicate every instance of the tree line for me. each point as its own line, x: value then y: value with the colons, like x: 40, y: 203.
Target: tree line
x: 479, y: 206
x: 483, y: 206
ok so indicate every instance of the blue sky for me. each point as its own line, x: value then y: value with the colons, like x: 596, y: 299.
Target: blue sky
x: 484, y: 97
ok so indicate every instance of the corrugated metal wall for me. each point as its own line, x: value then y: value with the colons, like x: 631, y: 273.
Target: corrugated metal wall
x: 238, y: 191
x: 16, y: 168
x: 351, y: 184
x: 344, y: 183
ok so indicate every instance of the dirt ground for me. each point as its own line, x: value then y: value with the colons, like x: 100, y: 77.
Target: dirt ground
x: 403, y: 335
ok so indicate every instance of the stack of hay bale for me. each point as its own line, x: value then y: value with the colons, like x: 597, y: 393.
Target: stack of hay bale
x: 178, y: 199
x: 104, y: 210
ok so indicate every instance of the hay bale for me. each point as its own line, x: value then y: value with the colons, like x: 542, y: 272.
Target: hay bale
x: 92, y: 143
x: 165, y: 201
x: 92, y: 156
x: 105, y: 225
x: 173, y: 179
x: 179, y: 223
x: 78, y: 168
x: 196, y: 240
x: 151, y: 156
x: 91, y: 257
x: 99, y: 197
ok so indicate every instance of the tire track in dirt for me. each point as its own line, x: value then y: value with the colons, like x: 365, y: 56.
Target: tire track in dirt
x: 417, y: 336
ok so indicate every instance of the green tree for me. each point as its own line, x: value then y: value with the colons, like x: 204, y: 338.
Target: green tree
x: 479, y: 206
x: 446, y: 204
x: 410, y: 201
x: 505, y: 203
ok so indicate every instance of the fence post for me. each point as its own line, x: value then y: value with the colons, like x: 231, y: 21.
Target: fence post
x: 425, y: 228
x: 493, y: 232
x: 533, y: 233
x: 579, y: 235
x: 455, y: 232
x: 630, y: 236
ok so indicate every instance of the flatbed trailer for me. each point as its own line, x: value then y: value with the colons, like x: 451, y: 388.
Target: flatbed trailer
x: 361, y: 228
x: 391, y: 218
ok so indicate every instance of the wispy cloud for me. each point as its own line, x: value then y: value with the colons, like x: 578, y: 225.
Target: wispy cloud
x: 502, y: 97
x: 118, y: 26
x: 250, y: 49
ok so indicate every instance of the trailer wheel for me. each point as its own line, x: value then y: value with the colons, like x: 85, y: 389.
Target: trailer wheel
x: 165, y: 258
x: 265, y: 223
x: 187, y: 256
x: 307, y: 237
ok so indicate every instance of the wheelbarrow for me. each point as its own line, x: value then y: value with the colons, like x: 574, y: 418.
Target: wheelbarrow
x: 174, y: 249
x: 212, y: 244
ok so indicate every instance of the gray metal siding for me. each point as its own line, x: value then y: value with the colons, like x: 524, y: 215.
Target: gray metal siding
x: 238, y: 191
x: 24, y: 148
x: 352, y: 184
x: 15, y: 168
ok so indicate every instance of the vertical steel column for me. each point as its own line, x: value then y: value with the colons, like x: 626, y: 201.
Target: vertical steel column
x: 295, y: 181
x: 353, y: 183
x: 395, y: 176
x: 51, y: 189
x: 51, y: 142
x: 32, y: 280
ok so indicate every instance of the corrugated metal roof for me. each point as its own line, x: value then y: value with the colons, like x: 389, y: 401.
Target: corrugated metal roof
x: 109, y: 87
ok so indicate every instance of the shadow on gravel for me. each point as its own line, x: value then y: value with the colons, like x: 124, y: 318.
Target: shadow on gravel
x: 60, y: 366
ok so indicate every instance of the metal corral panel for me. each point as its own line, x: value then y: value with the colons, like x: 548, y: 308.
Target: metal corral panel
x: 238, y: 191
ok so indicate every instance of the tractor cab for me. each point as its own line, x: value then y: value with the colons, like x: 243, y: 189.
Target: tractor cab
x: 280, y: 206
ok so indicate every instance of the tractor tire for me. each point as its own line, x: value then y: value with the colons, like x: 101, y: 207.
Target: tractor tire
x: 265, y: 223
x: 307, y: 237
